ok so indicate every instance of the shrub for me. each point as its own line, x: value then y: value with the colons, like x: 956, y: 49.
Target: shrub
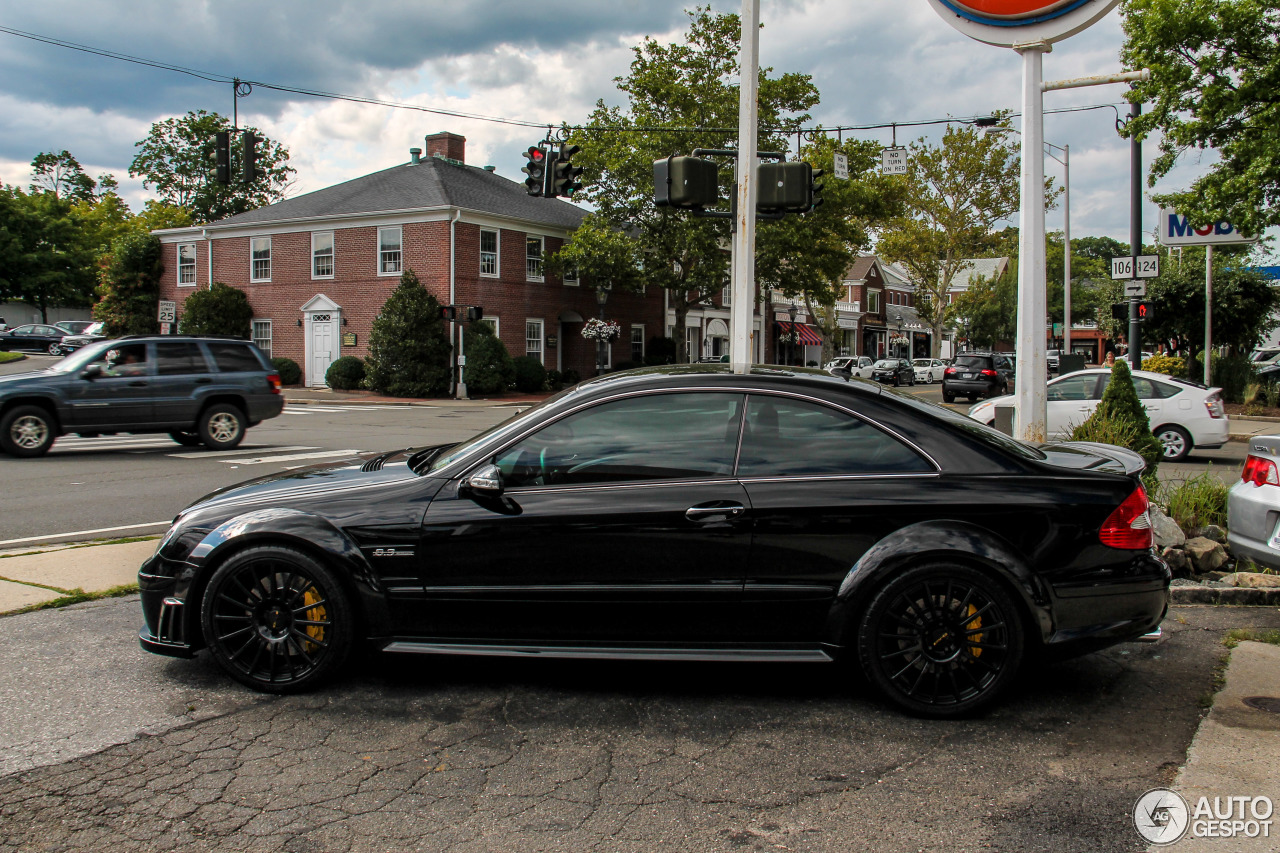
x: 290, y: 373
x: 220, y: 310
x: 130, y: 286
x: 531, y: 376
x: 1121, y: 416
x: 408, y: 347
x: 1231, y: 373
x: 1272, y: 395
x: 1196, y: 502
x: 571, y: 377
x: 489, y: 367
x: 659, y: 350
x: 345, y: 373
x: 1169, y: 365
x: 554, y: 381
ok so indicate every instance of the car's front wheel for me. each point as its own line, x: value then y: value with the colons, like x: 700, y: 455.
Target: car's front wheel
x: 54, y: 349
x: 27, y: 431
x: 221, y: 426
x: 941, y: 640
x: 1175, y: 441
x: 277, y: 619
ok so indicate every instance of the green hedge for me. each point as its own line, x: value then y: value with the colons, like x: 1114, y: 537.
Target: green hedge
x: 345, y: 374
x: 290, y: 373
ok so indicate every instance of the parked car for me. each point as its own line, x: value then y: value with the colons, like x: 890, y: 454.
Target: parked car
x: 33, y: 337
x: 73, y: 327
x: 1264, y: 357
x: 1253, y: 505
x: 199, y: 390
x: 929, y: 370
x: 811, y: 519
x: 897, y: 371
x: 1051, y: 359
x: 94, y: 332
x: 1184, y: 415
x: 977, y: 374
x: 858, y: 366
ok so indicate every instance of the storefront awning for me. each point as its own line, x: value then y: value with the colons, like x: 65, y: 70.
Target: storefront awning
x: 809, y: 336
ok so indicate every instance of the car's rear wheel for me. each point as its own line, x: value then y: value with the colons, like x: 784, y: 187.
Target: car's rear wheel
x: 54, y: 349
x: 1175, y: 441
x: 186, y: 439
x: 221, y: 426
x: 277, y: 620
x: 941, y: 640
x: 27, y: 431
x: 948, y: 398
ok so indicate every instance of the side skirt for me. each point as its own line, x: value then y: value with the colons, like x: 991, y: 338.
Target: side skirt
x: 799, y: 655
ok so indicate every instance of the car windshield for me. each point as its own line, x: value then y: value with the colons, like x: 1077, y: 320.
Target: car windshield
x: 884, y: 362
x: 493, y: 434
x: 80, y: 357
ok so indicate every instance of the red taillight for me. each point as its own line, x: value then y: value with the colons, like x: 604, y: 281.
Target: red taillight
x: 1129, y: 525
x: 273, y: 379
x: 989, y: 373
x: 1214, y: 404
x: 950, y: 371
x: 1259, y: 471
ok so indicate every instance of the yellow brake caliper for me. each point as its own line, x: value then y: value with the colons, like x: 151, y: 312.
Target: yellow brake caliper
x: 314, y: 614
x: 973, y: 626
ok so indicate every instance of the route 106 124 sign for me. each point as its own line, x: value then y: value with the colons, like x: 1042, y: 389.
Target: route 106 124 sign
x: 1006, y: 23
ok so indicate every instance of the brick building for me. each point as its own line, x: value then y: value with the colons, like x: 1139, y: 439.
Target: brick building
x: 318, y: 268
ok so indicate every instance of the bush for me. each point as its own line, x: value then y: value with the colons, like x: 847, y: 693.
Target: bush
x: 571, y: 377
x: 1196, y: 502
x: 531, y: 376
x: 1231, y: 373
x: 220, y: 310
x: 345, y: 373
x: 290, y: 373
x: 554, y: 381
x: 1120, y: 419
x: 408, y: 347
x: 489, y: 367
x: 1169, y: 365
x: 130, y: 286
x: 660, y: 350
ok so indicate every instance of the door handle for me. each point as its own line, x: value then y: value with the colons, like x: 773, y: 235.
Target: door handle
x: 711, y: 512
x: 137, y: 385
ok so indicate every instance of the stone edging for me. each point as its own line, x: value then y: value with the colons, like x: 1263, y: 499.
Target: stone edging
x: 1224, y: 595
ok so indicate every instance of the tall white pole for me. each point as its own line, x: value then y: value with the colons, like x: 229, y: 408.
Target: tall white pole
x: 1208, y: 313
x: 1030, y: 416
x: 1066, y: 250
x: 742, y: 284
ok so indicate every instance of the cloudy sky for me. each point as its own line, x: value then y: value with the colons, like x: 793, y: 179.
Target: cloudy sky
x: 874, y: 61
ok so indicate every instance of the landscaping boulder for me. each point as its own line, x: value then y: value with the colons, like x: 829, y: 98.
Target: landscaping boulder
x: 1178, y: 562
x: 1166, y: 531
x: 1212, y: 532
x: 1205, y: 554
x: 1252, y: 580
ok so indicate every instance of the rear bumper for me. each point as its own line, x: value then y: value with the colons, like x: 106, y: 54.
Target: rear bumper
x: 1253, y: 513
x: 968, y: 387
x: 1213, y: 432
x: 1094, y: 616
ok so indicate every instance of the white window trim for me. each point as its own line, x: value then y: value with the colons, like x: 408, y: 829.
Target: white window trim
x: 726, y: 296
x: 497, y: 253
x: 253, y: 328
x: 492, y: 321
x: 194, y: 256
x: 253, y: 240
x: 643, y: 342
x: 542, y: 337
x: 542, y: 254
x: 333, y: 255
x: 873, y: 301
x: 378, y: 256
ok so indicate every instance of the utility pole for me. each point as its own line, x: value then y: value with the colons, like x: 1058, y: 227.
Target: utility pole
x: 1030, y: 408
x: 1135, y: 236
x: 742, y: 283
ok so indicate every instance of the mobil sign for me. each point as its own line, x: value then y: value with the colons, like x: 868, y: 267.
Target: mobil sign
x: 1176, y: 230
x: 1011, y: 22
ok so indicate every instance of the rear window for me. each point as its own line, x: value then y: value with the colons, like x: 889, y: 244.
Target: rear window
x: 234, y: 358
x: 973, y: 362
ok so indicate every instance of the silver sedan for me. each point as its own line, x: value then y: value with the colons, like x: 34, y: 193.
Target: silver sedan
x: 1253, y: 504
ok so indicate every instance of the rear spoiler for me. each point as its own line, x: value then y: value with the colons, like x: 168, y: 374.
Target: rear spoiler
x: 1132, y: 462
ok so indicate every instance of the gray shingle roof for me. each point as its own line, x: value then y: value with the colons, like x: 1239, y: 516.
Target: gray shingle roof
x: 431, y: 183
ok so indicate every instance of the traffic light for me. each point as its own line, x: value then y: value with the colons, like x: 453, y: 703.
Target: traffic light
x: 249, y: 144
x: 1145, y: 311
x: 448, y: 313
x: 222, y: 156
x: 475, y: 314
x: 536, y: 169
x: 815, y: 189
x: 789, y: 187
x: 685, y: 182
x: 1120, y: 311
x: 564, y: 175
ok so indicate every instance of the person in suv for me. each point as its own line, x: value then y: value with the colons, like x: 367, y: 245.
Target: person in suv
x: 198, y: 390
x: 977, y: 374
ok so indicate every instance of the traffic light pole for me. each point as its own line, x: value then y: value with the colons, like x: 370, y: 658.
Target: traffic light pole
x: 742, y: 283
x: 1135, y: 237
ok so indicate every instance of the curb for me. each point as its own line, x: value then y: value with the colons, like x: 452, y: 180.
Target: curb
x: 1224, y: 595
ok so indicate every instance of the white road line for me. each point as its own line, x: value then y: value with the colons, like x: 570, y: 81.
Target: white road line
x: 4, y: 542
x: 289, y: 457
x: 122, y: 444
x: 218, y: 454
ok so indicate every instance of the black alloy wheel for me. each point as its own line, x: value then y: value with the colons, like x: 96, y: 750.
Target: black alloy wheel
x: 277, y: 620
x: 27, y: 431
x: 186, y: 439
x: 941, y: 640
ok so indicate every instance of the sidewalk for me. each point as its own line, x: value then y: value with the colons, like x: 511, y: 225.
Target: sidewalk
x: 1243, y: 429
x: 39, y: 575
x: 306, y: 396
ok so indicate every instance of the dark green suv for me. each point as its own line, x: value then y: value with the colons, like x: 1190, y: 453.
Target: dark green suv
x: 198, y: 390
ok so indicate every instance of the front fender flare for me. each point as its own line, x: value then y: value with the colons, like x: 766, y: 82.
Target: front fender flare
x: 953, y: 541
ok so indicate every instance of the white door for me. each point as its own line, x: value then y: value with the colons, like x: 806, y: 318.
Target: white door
x: 323, y: 343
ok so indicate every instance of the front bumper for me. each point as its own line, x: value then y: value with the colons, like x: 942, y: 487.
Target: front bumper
x: 168, y: 626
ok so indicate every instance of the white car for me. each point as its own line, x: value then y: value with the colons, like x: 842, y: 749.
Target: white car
x: 1253, y: 523
x: 857, y: 365
x: 1183, y: 414
x: 929, y: 370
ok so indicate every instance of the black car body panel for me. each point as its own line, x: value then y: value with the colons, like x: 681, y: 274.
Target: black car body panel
x: 32, y: 337
x: 435, y: 566
x: 977, y: 374
x: 899, y: 373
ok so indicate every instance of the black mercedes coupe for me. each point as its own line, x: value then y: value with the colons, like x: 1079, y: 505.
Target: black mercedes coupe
x: 679, y: 513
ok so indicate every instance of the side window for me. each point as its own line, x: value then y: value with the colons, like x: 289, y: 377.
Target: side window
x: 785, y: 438
x: 1072, y: 388
x: 124, y: 360
x: 179, y: 358
x: 1146, y: 388
x: 233, y: 358
x: 654, y: 437
x: 1164, y: 390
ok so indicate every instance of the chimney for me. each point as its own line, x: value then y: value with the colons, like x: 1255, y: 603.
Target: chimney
x: 415, y: 156
x: 448, y: 145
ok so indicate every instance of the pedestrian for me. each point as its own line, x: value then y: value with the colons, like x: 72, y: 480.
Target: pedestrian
x: 1111, y: 359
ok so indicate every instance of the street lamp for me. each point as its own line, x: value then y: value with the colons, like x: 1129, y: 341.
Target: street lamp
x: 602, y: 297
x: 795, y: 336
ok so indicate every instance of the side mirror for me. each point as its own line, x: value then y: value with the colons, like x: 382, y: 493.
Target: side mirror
x: 485, y: 480
x: 93, y: 371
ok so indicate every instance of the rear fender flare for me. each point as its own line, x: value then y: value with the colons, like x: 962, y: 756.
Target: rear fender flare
x: 936, y: 541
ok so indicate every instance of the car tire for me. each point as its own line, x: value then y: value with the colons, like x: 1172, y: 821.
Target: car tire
x: 912, y: 381
x: 948, y: 398
x: 186, y: 439
x: 1176, y: 444
x: 941, y: 640
x: 27, y: 431
x: 221, y: 426
x: 277, y: 620
x: 53, y: 349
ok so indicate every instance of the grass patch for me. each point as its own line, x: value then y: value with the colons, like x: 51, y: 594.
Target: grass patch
x: 78, y: 596
x: 6, y: 357
x: 122, y: 541
x: 1236, y: 636
x: 1196, y: 502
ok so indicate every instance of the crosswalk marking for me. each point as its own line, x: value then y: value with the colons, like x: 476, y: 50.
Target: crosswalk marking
x: 309, y: 410
x: 258, y: 450
x: 290, y: 457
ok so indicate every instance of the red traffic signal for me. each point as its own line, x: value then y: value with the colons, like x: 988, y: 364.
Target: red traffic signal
x: 1144, y: 311
x: 536, y: 169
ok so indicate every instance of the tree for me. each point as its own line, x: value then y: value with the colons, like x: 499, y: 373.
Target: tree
x: 671, y: 88
x: 219, y: 310
x: 176, y: 160
x: 44, y: 260
x: 988, y: 310
x: 408, y: 347
x: 130, y: 290
x: 490, y: 368
x: 1215, y: 84
x: 955, y: 193
x: 62, y: 175
x: 1121, y: 419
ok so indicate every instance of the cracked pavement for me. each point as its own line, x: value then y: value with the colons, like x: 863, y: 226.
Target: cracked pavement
x: 102, y: 745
